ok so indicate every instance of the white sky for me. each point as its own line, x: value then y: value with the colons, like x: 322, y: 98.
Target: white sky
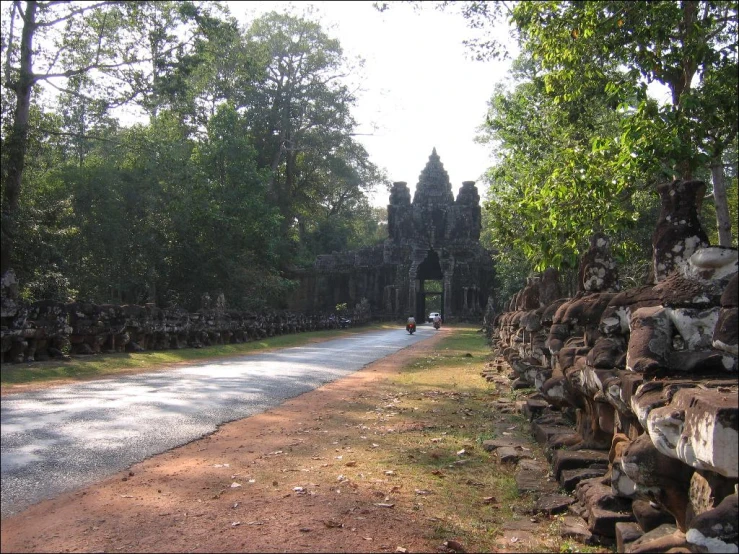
x: 420, y: 88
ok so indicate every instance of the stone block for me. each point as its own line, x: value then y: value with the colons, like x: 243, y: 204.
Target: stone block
x: 569, y: 478
x: 603, y: 522
x: 649, y: 516
x: 552, y: 504
x: 700, y: 428
x: 626, y: 533
x: 543, y: 432
x: 531, y: 476
x: 534, y: 408
x: 575, y: 527
x: 717, y: 530
x: 577, y: 459
x: 603, y: 508
x: 508, y: 454
x: 662, y: 539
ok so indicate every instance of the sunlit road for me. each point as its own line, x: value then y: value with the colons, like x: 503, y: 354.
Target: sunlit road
x: 64, y: 437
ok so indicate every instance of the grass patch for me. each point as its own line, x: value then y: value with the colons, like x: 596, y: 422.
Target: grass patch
x: 101, y: 365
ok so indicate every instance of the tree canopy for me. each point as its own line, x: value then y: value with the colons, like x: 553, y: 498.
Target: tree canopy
x: 581, y: 137
x: 243, y: 165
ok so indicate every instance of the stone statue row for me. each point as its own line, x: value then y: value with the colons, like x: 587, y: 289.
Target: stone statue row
x: 647, y: 374
x: 47, y: 329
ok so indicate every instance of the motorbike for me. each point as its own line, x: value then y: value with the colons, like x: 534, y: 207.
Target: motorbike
x: 345, y: 322
x: 437, y: 325
x: 411, y: 328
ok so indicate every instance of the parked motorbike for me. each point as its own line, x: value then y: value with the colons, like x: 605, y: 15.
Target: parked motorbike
x: 411, y: 328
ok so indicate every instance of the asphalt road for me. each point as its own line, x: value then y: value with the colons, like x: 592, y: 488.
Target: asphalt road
x: 63, y: 438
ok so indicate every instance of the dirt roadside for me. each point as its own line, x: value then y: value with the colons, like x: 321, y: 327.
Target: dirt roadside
x: 297, y: 478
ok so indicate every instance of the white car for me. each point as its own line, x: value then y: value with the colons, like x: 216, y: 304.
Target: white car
x: 432, y: 315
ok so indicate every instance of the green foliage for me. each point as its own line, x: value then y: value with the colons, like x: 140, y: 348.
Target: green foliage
x: 580, y: 140
x: 557, y: 179
x: 246, y: 165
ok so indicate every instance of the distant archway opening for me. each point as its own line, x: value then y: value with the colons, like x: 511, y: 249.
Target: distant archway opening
x: 430, y: 295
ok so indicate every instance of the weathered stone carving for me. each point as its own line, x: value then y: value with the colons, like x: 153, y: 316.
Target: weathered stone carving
x: 432, y: 238
x: 43, y: 330
x: 650, y: 374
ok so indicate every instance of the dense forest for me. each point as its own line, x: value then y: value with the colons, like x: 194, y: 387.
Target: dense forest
x: 244, y: 165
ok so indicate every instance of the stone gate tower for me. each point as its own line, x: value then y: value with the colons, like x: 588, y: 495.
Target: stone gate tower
x: 433, y: 238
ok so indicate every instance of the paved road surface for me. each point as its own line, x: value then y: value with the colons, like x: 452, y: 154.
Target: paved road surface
x: 62, y: 438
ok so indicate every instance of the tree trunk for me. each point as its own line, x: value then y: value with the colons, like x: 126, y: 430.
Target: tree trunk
x: 723, y: 220
x: 17, y: 142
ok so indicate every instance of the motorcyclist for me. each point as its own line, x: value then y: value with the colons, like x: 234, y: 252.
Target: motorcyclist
x: 437, y: 321
x: 411, y: 321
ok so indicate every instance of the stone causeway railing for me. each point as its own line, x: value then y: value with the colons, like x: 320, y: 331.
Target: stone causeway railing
x: 637, y: 391
x: 46, y: 329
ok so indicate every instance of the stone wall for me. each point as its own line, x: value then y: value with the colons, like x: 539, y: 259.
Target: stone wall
x: 645, y: 378
x: 44, y: 330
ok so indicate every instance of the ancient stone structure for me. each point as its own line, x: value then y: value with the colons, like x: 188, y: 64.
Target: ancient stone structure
x: 432, y: 238
x: 46, y: 329
x: 644, y: 379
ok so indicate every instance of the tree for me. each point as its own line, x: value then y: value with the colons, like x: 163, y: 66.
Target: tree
x: 60, y: 41
x: 301, y: 121
x: 689, y: 46
x: 554, y: 181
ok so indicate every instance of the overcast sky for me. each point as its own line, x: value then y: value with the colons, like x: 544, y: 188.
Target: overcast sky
x: 421, y: 89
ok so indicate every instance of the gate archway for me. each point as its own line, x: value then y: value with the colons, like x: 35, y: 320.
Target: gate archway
x: 430, y: 279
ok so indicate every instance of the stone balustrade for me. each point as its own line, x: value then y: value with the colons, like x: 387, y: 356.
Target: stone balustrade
x: 44, y: 330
